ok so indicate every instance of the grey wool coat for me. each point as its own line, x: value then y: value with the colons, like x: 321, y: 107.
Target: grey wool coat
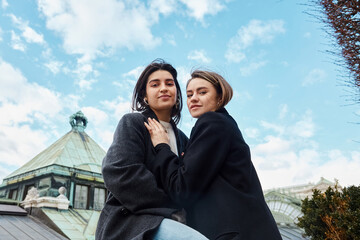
x: 135, y: 204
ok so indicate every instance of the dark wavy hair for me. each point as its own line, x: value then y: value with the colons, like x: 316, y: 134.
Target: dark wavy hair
x: 139, y: 94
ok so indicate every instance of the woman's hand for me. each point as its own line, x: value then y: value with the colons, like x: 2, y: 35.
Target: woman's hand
x: 157, y: 132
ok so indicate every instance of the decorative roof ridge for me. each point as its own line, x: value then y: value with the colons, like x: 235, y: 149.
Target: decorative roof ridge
x: 78, y: 121
x: 53, y: 169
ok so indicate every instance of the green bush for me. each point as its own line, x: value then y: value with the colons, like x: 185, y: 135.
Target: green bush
x: 334, y: 214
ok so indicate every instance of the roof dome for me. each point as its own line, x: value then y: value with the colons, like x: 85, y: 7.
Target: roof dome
x: 76, y: 149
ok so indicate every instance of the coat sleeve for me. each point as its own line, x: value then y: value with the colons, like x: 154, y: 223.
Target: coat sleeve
x: 185, y: 180
x: 124, y: 171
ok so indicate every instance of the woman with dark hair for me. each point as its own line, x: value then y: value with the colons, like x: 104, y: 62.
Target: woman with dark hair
x: 215, y: 181
x: 136, y: 207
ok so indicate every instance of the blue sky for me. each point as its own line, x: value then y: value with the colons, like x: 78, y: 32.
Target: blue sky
x: 61, y: 56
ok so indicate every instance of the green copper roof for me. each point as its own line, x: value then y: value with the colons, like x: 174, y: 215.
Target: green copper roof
x: 75, y: 149
x: 77, y: 224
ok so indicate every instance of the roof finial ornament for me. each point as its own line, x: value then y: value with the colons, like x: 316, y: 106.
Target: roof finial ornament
x: 78, y: 121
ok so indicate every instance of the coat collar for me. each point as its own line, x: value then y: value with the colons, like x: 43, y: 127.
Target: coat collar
x: 222, y: 110
x: 150, y: 113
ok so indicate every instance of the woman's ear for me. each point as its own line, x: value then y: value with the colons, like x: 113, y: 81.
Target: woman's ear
x: 219, y: 102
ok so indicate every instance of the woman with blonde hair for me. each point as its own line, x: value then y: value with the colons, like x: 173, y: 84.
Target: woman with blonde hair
x: 215, y: 180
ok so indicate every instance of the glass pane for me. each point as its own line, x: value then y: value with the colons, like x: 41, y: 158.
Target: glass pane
x: 81, y: 196
x: 44, y: 183
x: 13, y: 194
x: 59, y: 182
x: 99, y: 198
x: 2, y: 194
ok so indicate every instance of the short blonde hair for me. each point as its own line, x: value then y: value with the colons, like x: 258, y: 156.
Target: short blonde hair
x: 222, y: 87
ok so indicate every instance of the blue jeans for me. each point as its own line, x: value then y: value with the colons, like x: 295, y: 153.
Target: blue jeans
x: 170, y: 229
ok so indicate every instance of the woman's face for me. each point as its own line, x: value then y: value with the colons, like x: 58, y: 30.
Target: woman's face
x: 161, y: 91
x: 201, y: 97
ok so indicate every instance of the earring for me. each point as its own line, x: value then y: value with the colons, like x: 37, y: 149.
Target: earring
x: 146, y: 102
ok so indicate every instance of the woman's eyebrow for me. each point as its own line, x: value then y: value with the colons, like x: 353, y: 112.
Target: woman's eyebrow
x: 158, y: 80
x: 154, y: 80
x: 199, y: 88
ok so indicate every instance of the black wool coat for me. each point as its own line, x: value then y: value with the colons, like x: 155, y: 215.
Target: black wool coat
x: 135, y: 205
x: 216, y: 182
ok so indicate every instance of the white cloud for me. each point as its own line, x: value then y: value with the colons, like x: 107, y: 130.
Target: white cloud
x: 28, y: 116
x: 29, y: 34
x: 242, y: 97
x: 16, y: 42
x: 289, y: 156
x: 184, y: 31
x: 341, y: 166
x: 316, y: 75
x: 85, y: 84
x: 97, y: 116
x: 54, y: 66
x: 272, y: 88
x: 129, y: 79
x: 86, y: 75
x: 283, y: 111
x: 305, y: 127
x: 4, y: 172
x: 170, y: 39
x: 199, y: 56
x: 183, y: 76
x: 4, y: 4
x: 251, y: 132
x: 256, y: 31
x: 1, y: 33
x: 165, y: 7
x: 273, y: 145
x: 198, y: 9
x: 106, y: 137
x: 20, y: 143
x: 27, y: 110
x: 89, y: 33
x: 134, y: 73
x: 17, y: 97
x: 279, y: 129
x: 118, y: 107
x: 72, y: 102
x: 86, y: 30
x: 252, y: 67
x: 84, y: 69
